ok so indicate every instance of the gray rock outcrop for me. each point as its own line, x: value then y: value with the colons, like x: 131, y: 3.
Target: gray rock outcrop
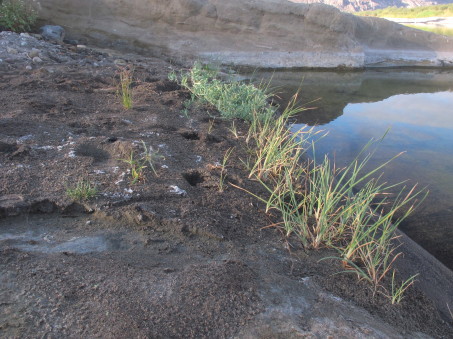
x: 53, y: 33
x: 257, y: 33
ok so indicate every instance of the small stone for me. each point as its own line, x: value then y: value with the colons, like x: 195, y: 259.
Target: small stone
x: 81, y: 46
x: 11, y: 50
x: 36, y: 36
x: 34, y: 53
x: 25, y: 35
x: 53, y: 33
x: 120, y: 62
x: 37, y: 60
x: 28, y: 68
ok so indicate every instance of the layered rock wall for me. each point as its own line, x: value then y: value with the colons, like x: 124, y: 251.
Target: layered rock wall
x: 258, y: 33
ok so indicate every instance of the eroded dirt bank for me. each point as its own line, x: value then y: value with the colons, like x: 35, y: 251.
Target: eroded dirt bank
x: 171, y: 255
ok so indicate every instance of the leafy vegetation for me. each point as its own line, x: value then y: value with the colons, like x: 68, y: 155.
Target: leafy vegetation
x: 124, y: 86
x: 348, y: 209
x: 18, y: 15
x: 434, y: 29
x: 138, y: 163
x: 84, y: 190
x: 416, y: 12
x: 233, y: 99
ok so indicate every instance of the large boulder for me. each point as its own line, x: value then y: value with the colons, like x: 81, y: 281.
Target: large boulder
x: 258, y: 33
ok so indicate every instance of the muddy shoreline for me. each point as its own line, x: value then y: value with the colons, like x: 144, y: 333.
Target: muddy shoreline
x: 148, y: 260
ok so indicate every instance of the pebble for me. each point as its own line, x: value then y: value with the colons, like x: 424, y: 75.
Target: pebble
x: 28, y: 68
x: 81, y: 46
x: 11, y: 50
x: 34, y: 53
x: 37, y: 60
x: 120, y: 62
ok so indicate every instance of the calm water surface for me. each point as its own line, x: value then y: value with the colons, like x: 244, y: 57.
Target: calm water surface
x: 417, y: 107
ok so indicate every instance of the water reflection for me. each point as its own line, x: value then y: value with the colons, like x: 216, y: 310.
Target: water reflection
x: 418, y: 107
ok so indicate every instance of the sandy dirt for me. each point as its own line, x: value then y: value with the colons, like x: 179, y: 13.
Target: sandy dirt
x: 170, y: 256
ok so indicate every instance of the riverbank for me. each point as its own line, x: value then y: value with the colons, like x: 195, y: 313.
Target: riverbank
x: 170, y: 254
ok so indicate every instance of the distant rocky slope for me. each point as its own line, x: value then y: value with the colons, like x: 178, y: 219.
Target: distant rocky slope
x: 257, y: 33
x: 368, y: 5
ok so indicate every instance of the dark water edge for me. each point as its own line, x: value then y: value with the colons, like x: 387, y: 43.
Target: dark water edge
x: 417, y: 106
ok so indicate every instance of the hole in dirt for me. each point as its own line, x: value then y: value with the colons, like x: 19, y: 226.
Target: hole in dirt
x: 193, y: 178
x: 88, y: 150
x: 167, y: 86
x: 190, y: 135
x: 7, y: 148
x: 213, y: 139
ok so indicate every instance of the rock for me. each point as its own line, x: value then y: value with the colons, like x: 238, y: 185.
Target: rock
x: 265, y: 33
x: 53, y: 33
x: 81, y: 46
x: 120, y: 62
x: 11, y: 204
x: 33, y: 53
x: 37, y: 60
x: 11, y: 50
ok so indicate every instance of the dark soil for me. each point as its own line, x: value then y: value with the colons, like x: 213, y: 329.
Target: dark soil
x: 171, y: 255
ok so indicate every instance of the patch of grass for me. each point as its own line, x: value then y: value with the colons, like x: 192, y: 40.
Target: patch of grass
x: 437, y: 30
x: 397, y: 291
x: 233, y: 99
x: 152, y: 157
x: 124, y: 87
x: 137, y: 166
x: 347, y: 209
x: 138, y: 163
x: 223, y: 171
x: 18, y: 15
x: 416, y: 12
x: 84, y: 190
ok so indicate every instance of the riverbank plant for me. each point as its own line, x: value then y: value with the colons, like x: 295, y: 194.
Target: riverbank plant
x: 223, y: 170
x: 18, y: 15
x: 348, y: 209
x: 139, y: 162
x: 83, y: 190
x: 233, y: 99
x: 124, y: 86
x: 415, y: 12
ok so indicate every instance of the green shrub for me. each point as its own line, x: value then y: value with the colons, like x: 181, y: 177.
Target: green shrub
x: 17, y: 15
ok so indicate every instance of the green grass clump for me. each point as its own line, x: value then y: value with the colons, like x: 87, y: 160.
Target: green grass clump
x: 416, y: 12
x: 437, y: 30
x: 84, y: 190
x: 138, y: 163
x: 124, y: 86
x: 348, y: 209
x: 17, y: 15
x: 233, y: 99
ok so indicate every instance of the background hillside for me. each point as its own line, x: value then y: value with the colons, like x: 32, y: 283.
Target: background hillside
x: 367, y: 5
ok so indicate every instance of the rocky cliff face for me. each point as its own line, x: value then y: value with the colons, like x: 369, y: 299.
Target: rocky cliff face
x: 257, y: 33
x: 365, y: 5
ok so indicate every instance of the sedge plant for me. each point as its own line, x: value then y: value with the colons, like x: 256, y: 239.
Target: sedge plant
x: 125, y: 86
x: 83, y: 190
x: 348, y: 209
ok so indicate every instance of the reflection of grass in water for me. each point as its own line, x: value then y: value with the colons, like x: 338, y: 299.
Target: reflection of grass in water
x: 437, y: 30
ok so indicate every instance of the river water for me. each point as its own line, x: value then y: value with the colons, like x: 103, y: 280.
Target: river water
x: 417, y: 107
